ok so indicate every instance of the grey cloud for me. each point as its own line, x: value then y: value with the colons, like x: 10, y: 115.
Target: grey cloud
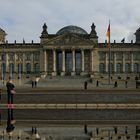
x: 24, y: 19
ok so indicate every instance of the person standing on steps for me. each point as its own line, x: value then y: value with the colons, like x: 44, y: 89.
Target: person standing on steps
x: 97, y: 83
x: 32, y: 84
x: 126, y: 84
x: 115, y: 84
x: 85, y: 85
x: 10, y: 91
x: 35, y: 83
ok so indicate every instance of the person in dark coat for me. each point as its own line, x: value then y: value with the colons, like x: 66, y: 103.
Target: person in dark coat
x: 85, y: 129
x: 85, y: 85
x: 97, y: 83
x: 10, y: 87
x: 126, y: 84
x: 115, y: 84
x: 35, y: 83
x: 32, y: 83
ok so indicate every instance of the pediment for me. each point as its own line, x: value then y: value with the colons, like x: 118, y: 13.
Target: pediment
x: 69, y: 39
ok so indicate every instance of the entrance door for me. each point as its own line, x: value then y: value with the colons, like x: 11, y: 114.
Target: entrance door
x: 68, y: 63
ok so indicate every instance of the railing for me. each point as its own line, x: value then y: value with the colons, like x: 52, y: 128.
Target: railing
x: 72, y: 106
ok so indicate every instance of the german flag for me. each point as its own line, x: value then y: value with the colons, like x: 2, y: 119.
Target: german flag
x: 108, y: 35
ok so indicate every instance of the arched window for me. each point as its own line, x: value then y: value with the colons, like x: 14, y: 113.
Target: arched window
x: 127, y: 67
x: 20, y: 68
x: 118, y: 68
x: 11, y: 69
x: 37, y: 68
x: 28, y: 68
x: 101, y: 68
x: 110, y: 68
x: 136, y: 68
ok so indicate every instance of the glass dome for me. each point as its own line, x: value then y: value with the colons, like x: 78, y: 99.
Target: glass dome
x: 71, y: 29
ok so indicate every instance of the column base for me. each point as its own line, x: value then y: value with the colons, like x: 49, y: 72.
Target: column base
x: 83, y: 73
x: 73, y: 73
x: 63, y: 73
x: 54, y: 73
x: 93, y: 74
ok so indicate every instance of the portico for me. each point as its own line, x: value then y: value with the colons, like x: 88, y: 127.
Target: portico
x: 65, y: 62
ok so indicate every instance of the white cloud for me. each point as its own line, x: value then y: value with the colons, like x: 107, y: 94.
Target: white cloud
x: 24, y: 19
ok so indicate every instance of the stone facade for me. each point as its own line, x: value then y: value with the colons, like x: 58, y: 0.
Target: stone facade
x: 71, y: 51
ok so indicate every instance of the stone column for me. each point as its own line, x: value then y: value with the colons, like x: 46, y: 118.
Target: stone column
x: 106, y: 62
x: 63, y: 63
x: 32, y: 62
x: 114, y: 62
x: 92, y: 67
x: 45, y: 61
x: 7, y: 63
x: 15, y: 63
x: 82, y: 62
x: 42, y: 61
x: 95, y: 62
x: 123, y: 63
x: 132, y: 63
x: 73, y: 62
x: 24, y: 64
x: 54, y: 63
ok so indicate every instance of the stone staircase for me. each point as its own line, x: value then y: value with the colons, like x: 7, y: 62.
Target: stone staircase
x: 65, y: 81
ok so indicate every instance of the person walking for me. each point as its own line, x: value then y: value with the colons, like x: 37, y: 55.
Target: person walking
x: 126, y: 84
x: 10, y: 91
x: 32, y: 84
x: 85, y: 129
x: 97, y: 83
x: 115, y: 84
x: 85, y: 85
x: 35, y: 83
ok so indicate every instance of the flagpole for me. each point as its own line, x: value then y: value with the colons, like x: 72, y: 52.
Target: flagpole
x: 109, y: 46
x: 109, y: 66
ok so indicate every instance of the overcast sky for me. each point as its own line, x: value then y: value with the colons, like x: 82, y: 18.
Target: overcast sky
x: 24, y: 18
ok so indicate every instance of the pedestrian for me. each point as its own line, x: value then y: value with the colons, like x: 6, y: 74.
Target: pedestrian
x: 115, y: 130
x: 10, y: 91
x: 126, y: 131
x: 32, y: 84
x: 136, y: 84
x: 32, y: 130
x: 97, y: 131
x: 35, y: 83
x: 97, y: 83
x: 85, y: 129
x: 85, y: 85
x: 126, y: 84
x: 115, y: 84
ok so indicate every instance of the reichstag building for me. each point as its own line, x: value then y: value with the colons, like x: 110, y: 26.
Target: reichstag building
x: 71, y: 51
